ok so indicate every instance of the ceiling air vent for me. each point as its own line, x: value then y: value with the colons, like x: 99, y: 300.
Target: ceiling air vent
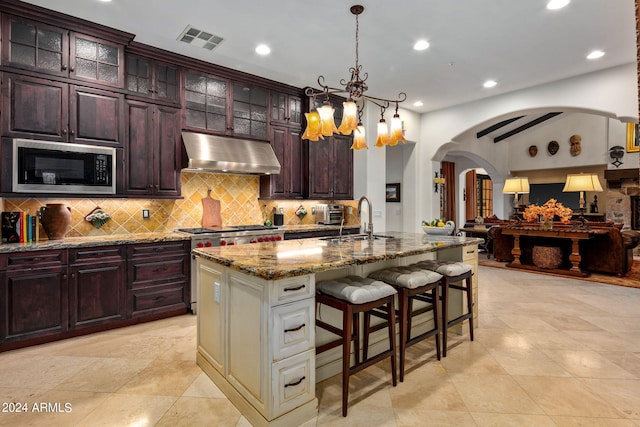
x: 199, y: 38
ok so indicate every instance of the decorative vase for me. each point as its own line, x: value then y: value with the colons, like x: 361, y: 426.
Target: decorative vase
x: 55, y: 219
x: 546, y: 224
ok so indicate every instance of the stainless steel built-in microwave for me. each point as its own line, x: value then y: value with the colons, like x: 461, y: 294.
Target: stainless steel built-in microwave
x: 55, y: 167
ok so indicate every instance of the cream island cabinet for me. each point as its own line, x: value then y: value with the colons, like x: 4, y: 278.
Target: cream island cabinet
x: 256, y: 321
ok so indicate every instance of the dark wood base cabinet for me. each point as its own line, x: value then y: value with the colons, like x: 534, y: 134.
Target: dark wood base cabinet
x: 158, y: 277
x: 56, y: 294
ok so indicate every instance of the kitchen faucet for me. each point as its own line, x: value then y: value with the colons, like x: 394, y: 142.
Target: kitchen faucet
x: 368, y: 227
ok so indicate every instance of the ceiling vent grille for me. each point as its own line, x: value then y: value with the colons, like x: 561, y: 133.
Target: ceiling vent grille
x: 199, y: 38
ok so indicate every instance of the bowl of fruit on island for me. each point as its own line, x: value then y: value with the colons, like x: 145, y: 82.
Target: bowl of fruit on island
x: 439, y: 227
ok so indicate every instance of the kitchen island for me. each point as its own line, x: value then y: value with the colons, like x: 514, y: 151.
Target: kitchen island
x: 256, y: 322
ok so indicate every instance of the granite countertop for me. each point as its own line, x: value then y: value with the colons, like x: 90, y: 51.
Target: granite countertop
x: 314, y: 227
x: 289, y: 258
x: 88, y: 241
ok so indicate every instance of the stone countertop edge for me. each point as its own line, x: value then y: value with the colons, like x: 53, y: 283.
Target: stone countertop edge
x: 315, y: 227
x: 262, y: 259
x: 89, y: 241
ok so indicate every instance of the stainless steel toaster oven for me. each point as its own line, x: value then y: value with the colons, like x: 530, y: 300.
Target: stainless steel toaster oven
x: 329, y: 214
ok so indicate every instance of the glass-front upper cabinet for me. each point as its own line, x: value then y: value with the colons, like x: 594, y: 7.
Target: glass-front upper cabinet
x: 250, y: 107
x: 221, y: 106
x: 35, y: 46
x: 152, y: 79
x: 206, y: 102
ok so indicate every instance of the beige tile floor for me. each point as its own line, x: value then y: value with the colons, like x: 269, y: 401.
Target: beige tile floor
x: 548, y: 352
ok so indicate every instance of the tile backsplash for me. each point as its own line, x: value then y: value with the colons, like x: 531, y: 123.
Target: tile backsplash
x: 239, y: 203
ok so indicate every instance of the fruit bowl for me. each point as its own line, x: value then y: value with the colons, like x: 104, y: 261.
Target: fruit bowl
x: 447, y: 230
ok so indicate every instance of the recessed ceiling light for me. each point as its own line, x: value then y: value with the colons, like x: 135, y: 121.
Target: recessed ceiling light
x: 557, y: 4
x: 105, y: 1
x: 595, y: 54
x: 490, y: 83
x: 418, y: 104
x: 263, y: 49
x: 421, y: 45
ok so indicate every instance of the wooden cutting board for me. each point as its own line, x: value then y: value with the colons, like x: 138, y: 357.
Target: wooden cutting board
x: 211, y: 211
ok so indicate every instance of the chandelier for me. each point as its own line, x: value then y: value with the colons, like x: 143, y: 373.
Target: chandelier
x: 321, y: 123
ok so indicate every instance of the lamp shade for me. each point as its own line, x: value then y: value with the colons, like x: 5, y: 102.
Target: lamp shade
x: 582, y: 182
x: 516, y: 186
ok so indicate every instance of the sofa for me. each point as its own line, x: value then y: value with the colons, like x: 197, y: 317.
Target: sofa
x: 610, y: 253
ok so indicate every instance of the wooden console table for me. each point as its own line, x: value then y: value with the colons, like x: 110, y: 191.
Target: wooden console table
x: 558, y: 232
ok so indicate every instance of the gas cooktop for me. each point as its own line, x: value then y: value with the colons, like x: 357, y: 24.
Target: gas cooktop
x: 200, y: 230
x: 251, y: 227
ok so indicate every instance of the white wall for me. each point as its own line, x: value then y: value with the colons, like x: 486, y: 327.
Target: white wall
x: 593, y: 130
x: 611, y: 93
x: 450, y: 133
x: 395, y: 171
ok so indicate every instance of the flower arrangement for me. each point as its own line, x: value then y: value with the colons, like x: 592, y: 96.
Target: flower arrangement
x: 547, y: 212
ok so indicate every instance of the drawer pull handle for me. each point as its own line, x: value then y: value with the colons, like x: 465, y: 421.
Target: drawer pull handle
x: 295, y: 383
x: 471, y: 252
x: 297, y: 288
x: 159, y: 269
x: 294, y: 329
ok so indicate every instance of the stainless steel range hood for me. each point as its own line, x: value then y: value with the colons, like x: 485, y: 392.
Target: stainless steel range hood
x: 219, y: 154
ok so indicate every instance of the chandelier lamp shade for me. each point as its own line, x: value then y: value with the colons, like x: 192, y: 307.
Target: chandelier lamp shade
x: 323, y: 125
x: 516, y: 186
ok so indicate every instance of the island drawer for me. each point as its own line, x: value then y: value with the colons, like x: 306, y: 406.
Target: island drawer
x: 294, y: 382
x: 292, y: 289
x: 293, y: 328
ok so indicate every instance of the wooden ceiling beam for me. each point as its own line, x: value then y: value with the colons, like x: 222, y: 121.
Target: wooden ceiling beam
x: 525, y: 126
x: 497, y: 126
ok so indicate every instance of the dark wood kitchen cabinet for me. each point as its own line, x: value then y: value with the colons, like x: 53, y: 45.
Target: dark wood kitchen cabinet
x: 331, y: 168
x: 153, y: 79
x: 286, y: 109
x: 286, y: 141
x: 249, y: 111
x: 222, y: 106
x: 39, y: 108
x: 47, y: 295
x: 206, y: 103
x: 154, y: 150
x: 34, y: 296
x: 289, y: 149
x: 330, y: 161
x: 38, y: 47
x: 97, y: 293
x: 158, y: 277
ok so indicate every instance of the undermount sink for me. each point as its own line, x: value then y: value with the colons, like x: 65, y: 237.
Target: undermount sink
x: 354, y: 238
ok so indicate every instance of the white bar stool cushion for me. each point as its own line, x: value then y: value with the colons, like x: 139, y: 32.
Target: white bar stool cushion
x: 446, y: 268
x: 407, y: 277
x: 355, y: 289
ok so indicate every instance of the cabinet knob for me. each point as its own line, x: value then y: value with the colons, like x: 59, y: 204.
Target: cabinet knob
x: 71, y: 69
x: 72, y: 132
x: 64, y: 67
x: 64, y: 276
x: 64, y: 131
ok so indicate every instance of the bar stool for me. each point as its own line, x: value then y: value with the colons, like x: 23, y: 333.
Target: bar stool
x: 353, y: 295
x: 452, y: 273
x: 412, y: 283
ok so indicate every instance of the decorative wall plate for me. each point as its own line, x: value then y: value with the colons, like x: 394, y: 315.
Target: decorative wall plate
x: 533, y: 150
x: 553, y: 147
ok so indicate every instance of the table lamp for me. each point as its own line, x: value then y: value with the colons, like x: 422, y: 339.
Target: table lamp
x: 516, y: 186
x: 582, y: 182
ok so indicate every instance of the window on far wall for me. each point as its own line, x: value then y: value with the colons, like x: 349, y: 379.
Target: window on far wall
x: 484, y: 195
